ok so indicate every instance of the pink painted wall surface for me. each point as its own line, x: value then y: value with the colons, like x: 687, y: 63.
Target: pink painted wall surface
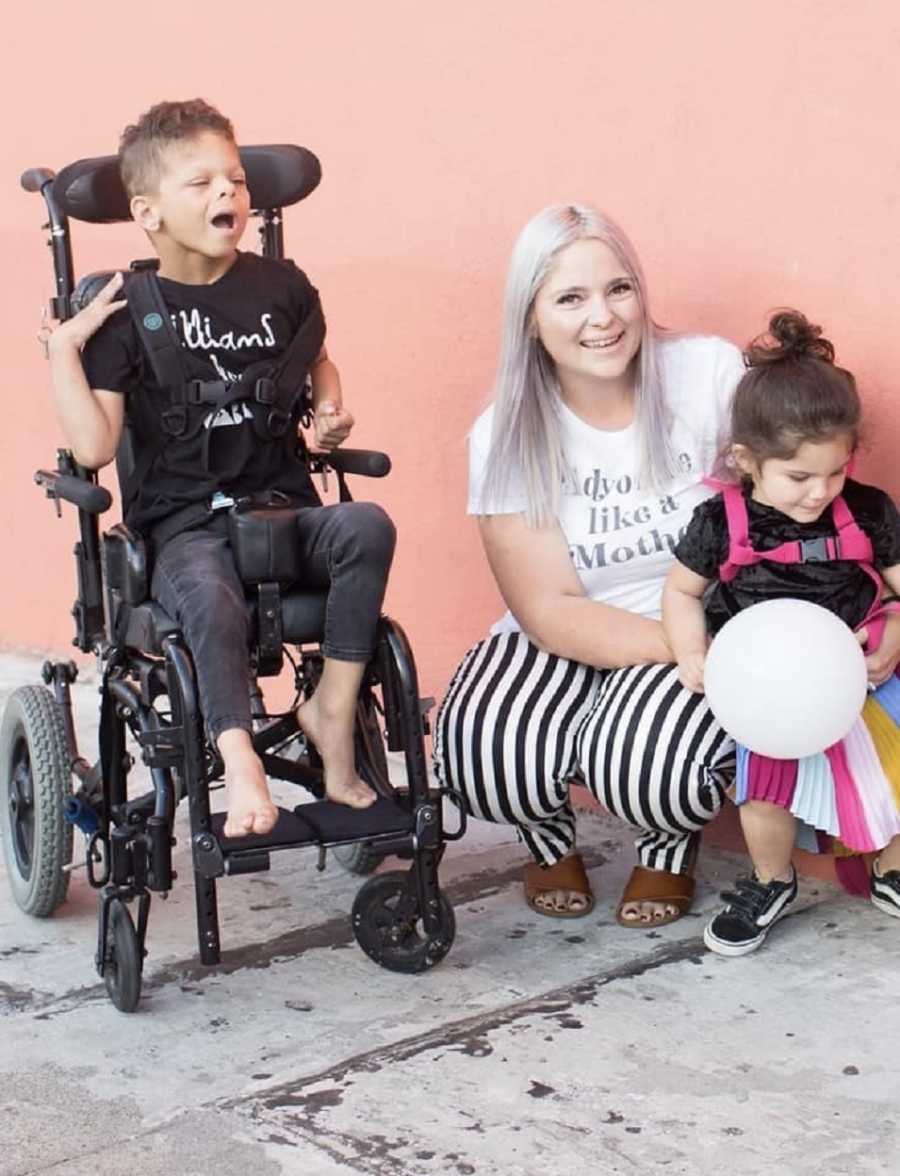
x: 748, y: 149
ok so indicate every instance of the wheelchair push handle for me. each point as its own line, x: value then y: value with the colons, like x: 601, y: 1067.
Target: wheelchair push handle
x: 85, y: 495
x: 367, y: 463
x: 35, y: 179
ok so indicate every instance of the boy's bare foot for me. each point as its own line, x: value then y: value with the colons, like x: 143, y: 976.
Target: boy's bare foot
x: 334, y: 743
x: 250, y: 807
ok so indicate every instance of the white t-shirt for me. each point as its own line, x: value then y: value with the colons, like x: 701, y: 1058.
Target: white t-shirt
x: 620, y: 537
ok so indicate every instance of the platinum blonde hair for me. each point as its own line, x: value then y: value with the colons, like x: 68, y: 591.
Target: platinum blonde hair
x: 525, y: 438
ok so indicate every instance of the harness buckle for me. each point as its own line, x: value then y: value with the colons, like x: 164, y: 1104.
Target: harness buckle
x: 277, y: 422
x: 264, y: 391
x: 174, y: 419
x: 193, y: 392
x: 816, y: 550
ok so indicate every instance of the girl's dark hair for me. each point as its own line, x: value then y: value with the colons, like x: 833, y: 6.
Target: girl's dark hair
x: 792, y: 391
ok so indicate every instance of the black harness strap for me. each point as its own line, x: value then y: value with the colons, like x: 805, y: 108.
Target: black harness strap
x: 275, y: 385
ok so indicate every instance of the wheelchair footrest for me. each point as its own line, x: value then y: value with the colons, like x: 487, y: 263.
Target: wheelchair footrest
x: 320, y: 823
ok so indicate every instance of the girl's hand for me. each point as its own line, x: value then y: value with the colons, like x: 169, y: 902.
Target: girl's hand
x: 882, y: 663
x: 690, y: 671
x: 76, y: 331
x: 331, y: 425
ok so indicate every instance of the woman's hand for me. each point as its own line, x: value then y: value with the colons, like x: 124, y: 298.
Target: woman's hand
x: 75, y: 332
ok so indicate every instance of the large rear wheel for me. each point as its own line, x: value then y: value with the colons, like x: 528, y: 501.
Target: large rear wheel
x: 35, y: 780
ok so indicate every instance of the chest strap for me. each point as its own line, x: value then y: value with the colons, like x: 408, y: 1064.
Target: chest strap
x: 275, y: 384
x: 849, y: 541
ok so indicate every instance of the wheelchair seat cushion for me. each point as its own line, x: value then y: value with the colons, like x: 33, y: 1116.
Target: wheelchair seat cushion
x: 303, y: 621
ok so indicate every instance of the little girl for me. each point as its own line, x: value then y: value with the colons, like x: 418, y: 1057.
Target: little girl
x: 796, y: 526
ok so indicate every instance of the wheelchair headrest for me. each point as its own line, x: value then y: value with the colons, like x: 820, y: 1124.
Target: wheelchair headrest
x: 277, y: 175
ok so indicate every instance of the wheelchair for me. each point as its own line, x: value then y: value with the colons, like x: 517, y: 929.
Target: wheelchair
x: 149, y: 700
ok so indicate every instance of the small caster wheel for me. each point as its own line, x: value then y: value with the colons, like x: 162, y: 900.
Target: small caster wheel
x: 358, y: 858
x: 122, y: 968
x: 388, y: 926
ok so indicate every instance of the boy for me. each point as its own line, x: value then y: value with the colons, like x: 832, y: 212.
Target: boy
x: 230, y: 310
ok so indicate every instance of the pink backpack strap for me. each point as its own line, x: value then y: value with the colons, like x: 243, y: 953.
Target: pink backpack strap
x: 740, y: 553
x: 850, y: 542
x: 853, y: 542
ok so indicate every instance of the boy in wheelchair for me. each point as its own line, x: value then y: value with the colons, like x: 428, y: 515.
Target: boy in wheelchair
x: 213, y: 405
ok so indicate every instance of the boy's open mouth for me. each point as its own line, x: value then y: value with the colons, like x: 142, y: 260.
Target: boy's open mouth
x: 224, y: 220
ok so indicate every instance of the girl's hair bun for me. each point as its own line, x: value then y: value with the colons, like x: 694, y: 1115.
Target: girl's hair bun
x: 790, y: 336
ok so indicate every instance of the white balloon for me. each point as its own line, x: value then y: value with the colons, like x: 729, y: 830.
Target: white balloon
x: 786, y: 678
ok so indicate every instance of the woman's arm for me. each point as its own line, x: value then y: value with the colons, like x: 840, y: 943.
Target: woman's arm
x: 684, y: 623
x: 542, y: 590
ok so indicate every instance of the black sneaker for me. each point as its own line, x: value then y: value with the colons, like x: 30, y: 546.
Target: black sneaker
x: 752, y: 910
x: 884, y: 891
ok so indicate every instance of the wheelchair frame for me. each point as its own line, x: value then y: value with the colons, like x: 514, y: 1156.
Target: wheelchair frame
x: 400, y: 919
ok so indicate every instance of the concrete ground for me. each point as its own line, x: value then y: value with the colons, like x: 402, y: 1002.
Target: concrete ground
x: 571, y: 1047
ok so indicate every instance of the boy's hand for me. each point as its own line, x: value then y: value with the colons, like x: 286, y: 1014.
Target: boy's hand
x: 331, y: 425
x: 76, y: 331
x: 690, y: 671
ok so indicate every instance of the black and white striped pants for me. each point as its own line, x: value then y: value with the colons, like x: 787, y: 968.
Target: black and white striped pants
x: 518, y: 724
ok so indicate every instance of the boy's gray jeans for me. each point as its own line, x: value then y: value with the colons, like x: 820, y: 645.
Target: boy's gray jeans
x: 347, y: 550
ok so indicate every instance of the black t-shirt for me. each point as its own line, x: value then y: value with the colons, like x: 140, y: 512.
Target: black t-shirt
x: 250, y: 314
x: 842, y: 586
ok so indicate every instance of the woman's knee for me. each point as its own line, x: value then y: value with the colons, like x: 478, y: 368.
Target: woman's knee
x: 491, y: 739
x: 652, y: 752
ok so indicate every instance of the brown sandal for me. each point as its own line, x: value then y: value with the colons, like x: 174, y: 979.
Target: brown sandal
x: 568, y: 874
x: 645, y: 885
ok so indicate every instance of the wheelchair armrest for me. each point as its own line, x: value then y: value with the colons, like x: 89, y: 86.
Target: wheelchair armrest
x: 80, y: 491
x: 368, y: 463
x: 125, y: 564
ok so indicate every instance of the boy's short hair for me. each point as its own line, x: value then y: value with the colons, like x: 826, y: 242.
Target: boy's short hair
x: 142, y: 144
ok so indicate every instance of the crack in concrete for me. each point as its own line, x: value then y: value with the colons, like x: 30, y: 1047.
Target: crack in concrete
x: 462, y: 1032
x: 334, y: 933
x: 293, y: 1108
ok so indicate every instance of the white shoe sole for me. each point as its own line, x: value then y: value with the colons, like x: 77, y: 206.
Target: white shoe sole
x: 724, y: 948
x: 885, y: 906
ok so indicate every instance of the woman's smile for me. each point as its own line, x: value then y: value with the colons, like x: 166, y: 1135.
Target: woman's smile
x: 589, y: 318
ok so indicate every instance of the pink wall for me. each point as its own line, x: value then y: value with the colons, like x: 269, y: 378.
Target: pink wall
x: 749, y: 150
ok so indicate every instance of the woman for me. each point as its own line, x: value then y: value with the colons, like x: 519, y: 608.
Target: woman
x: 583, y: 473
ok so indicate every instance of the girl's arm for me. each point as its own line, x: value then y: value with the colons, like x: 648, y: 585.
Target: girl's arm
x: 684, y: 623
x: 891, y: 577
x: 91, y: 418
x: 541, y: 588
x: 883, y: 662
